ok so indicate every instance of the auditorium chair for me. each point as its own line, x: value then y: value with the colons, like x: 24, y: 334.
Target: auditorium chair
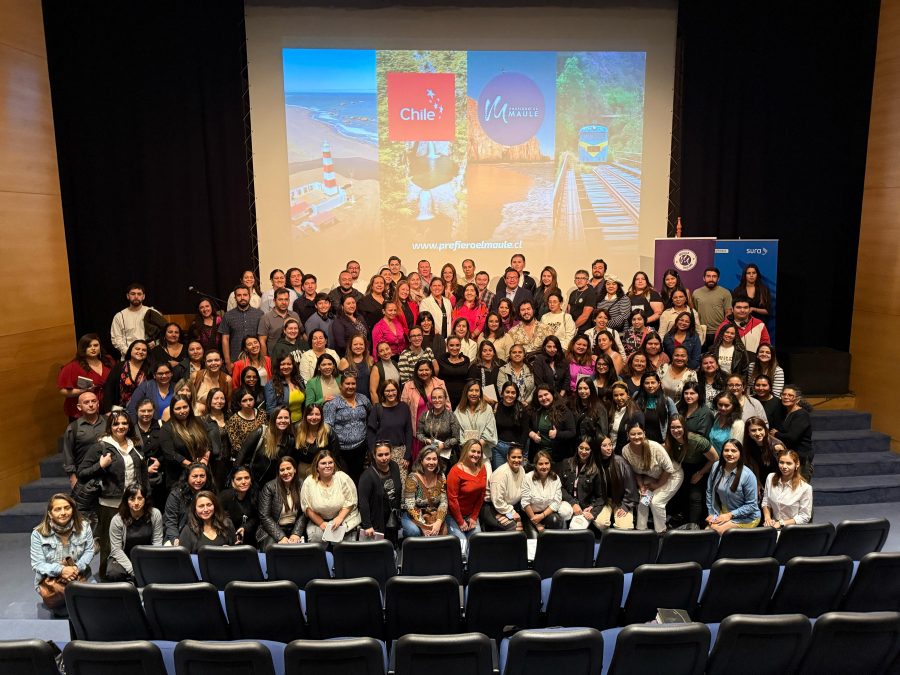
x: 185, y: 612
x: 856, y: 538
x: 808, y: 539
x: 876, y: 585
x: 553, y: 650
x: 812, y: 586
x: 106, y: 612
x: 850, y: 642
x: 679, y: 546
x: 299, y: 563
x: 469, y: 653
x: 563, y: 548
x: 162, y: 565
x: 627, y: 549
x: 27, y: 657
x: 757, y: 542
x: 139, y: 657
x: 264, y: 610
x: 674, y: 586
x: 344, y: 608
x: 428, y: 605
x: 762, y: 645
x: 585, y: 597
x: 193, y: 657
x: 222, y: 564
x: 374, y: 559
x: 498, y: 599
x: 497, y: 552
x: 427, y: 556
x: 351, y: 656
x: 668, y: 648
x: 737, y: 586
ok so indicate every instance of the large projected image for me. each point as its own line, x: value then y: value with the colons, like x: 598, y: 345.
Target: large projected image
x: 453, y: 151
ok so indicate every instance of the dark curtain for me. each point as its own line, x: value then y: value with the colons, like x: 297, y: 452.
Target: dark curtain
x: 775, y: 115
x: 148, y: 109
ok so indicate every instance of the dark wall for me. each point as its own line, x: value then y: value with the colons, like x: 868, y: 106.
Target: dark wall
x: 775, y: 115
x: 148, y: 109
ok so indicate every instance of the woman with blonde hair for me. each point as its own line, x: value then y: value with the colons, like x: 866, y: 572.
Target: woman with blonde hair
x: 787, y: 499
x: 466, y: 489
x: 312, y: 435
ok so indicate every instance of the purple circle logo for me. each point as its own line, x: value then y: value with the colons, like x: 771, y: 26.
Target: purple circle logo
x: 511, y: 108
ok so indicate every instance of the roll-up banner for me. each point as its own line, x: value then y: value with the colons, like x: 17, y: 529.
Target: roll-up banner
x: 733, y: 256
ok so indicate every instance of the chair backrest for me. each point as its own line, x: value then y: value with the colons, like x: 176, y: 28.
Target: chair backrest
x: 586, y: 597
x: 856, y: 538
x: 674, y: 586
x: 759, y: 644
x: 374, y: 559
x: 737, y: 586
x: 428, y: 605
x: 743, y: 543
x: 193, y: 657
x: 497, y: 552
x: 185, y: 612
x: 106, y: 612
x: 264, y: 610
x: 427, y: 556
x: 809, y: 539
x: 299, y: 563
x: 851, y: 642
x: 699, y: 546
x: 498, y: 599
x: 627, y: 549
x: 222, y: 564
x: 344, y: 608
x: 667, y: 648
x: 351, y: 656
x: 470, y: 653
x: 876, y: 586
x: 27, y: 657
x: 139, y: 657
x: 566, y: 650
x: 563, y: 548
x: 812, y: 586
x: 162, y: 565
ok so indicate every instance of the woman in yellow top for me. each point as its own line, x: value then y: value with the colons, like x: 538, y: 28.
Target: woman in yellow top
x: 286, y: 389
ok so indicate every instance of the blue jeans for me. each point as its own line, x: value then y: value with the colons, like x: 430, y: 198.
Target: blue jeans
x: 410, y: 529
x: 498, y: 454
x: 457, y: 532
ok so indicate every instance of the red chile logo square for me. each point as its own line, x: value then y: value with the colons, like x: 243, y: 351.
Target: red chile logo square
x: 421, y: 106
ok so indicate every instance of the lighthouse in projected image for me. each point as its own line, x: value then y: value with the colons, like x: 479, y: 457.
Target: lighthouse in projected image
x: 313, y: 204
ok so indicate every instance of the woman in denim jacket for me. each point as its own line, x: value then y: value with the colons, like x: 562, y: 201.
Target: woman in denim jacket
x: 63, y: 533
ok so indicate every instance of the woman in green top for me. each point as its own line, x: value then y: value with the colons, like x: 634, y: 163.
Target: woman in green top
x: 326, y: 383
x: 696, y: 456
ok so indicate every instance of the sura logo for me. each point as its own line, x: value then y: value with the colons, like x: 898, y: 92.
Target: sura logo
x: 512, y: 108
x: 757, y: 251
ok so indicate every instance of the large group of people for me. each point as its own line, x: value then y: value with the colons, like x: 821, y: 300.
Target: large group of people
x: 418, y: 405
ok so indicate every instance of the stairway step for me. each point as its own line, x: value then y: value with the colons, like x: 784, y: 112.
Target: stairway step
x: 42, y: 489
x: 22, y: 517
x: 833, y: 464
x: 841, y: 420
x: 52, y: 467
x: 855, y: 490
x: 850, y: 441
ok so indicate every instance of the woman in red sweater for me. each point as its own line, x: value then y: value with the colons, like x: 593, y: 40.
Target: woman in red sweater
x: 466, y: 490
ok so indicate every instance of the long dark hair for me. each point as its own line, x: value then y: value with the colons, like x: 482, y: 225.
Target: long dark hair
x: 293, y: 489
x: 279, y: 381
x: 518, y: 407
x: 417, y: 383
x: 675, y: 449
x: 735, y: 407
x: 591, y: 407
x: 131, y: 491
x: 218, y: 518
x: 560, y: 358
x: 767, y: 449
x: 682, y: 405
x: 658, y: 400
x: 739, y: 469
x: 590, y: 468
x: 664, y: 290
x: 81, y: 350
x: 762, y: 291
x: 192, y: 431
x: 556, y: 410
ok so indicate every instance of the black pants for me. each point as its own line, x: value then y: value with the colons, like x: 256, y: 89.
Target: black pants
x: 115, y: 572
x: 104, y: 518
x: 690, y: 500
x: 354, y: 461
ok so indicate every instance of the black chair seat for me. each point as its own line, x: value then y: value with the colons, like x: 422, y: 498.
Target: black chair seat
x: 220, y: 565
x: 112, y: 658
x: 106, y: 612
x: 627, y: 549
x: 162, y: 565
x: 264, y: 610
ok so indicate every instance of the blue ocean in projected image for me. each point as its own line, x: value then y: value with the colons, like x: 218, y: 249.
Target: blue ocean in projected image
x: 352, y: 115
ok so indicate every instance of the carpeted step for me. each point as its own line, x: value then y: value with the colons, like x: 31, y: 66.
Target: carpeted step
x: 841, y: 420
x: 833, y: 464
x: 850, y: 441
x: 42, y: 489
x: 52, y: 467
x: 22, y: 517
x: 855, y: 490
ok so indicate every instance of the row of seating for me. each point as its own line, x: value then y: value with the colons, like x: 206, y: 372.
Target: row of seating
x: 594, y: 597
x: 839, y: 643
x: 503, y: 552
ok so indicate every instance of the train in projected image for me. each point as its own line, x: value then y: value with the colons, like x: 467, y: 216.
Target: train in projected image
x: 593, y: 144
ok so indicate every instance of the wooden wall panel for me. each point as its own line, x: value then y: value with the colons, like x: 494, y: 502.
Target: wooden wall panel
x: 37, y: 334
x: 876, y: 313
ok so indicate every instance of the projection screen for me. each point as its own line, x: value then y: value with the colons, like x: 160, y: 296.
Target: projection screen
x: 447, y: 134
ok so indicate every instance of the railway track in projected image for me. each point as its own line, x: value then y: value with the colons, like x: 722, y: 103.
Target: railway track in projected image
x: 610, y: 199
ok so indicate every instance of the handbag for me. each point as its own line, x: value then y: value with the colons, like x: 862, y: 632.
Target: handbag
x: 87, y: 495
x: 53, y: 589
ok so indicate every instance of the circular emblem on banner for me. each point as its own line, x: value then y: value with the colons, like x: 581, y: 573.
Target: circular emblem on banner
x: 685, y: 260
x: 511, y: 108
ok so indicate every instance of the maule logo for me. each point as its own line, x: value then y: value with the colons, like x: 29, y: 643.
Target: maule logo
x: 685, y: 260
x: 421, y: 106
x: 511, y: 108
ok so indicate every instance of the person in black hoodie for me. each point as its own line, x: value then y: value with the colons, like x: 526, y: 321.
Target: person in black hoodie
x: 380, y: 491
x: 578, y: 475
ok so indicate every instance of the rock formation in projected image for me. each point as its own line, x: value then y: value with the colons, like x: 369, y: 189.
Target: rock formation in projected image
x: 481, y: 148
